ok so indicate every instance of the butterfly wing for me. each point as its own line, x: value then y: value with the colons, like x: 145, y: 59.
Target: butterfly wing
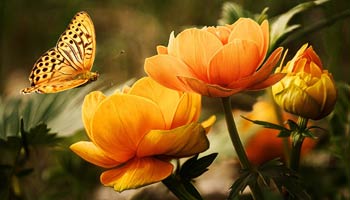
x: 78, y: 43
x: 51, y: 73
x: 67, y: 65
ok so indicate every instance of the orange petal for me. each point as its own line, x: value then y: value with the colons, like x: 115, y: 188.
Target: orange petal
x: 188, y: 110
x: 262, y: 73
x: 165, y: 68
x: 248, y: 29
x: 236, y: 60
x: 93, y: 154
x: 179, y: 142
x: 91, y: 102
x: 266, y: 33
x: 195, y: 47
x: 274, y: 78
x: 136, y: 173
x: 312, y: 56
x: 172, y: 45
x: 121, y: 121
x: 162, y: 49
x: 166, y: 99
x: 222, y: 32
x: 207, y: 124
x: 210, y: 90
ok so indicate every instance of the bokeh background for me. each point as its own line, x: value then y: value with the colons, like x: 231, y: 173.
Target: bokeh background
x: 135, y: 27
x: 127, y: 32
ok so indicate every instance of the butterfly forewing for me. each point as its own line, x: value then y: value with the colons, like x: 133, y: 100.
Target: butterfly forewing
x: 77, y: 43
x: 67, y: 65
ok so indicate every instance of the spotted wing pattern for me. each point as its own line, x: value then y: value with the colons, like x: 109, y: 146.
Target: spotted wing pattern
x: 68, y: 64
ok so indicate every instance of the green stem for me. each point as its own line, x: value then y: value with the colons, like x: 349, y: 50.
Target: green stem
x: 236, y: 141
x: 237, y: 144
x: 297, y: 143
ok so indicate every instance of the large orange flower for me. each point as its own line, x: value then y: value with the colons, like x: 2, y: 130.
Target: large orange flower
x: 216, y: 61
x: 136, y: 133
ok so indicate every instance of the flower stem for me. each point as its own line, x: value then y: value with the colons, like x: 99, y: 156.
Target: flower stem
x: 298, y: 140
x: 237, y: 144
x: 236, y: 141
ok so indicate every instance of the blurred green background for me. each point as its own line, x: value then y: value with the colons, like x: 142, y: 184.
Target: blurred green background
x: 135, y: 27
x: 127, y: 32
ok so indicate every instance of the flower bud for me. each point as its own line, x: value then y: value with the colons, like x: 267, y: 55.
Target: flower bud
x: 307, y: 90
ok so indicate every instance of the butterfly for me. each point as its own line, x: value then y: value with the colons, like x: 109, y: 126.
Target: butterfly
x: 67, y: 65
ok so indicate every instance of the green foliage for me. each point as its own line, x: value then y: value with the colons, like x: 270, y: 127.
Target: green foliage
x: 180, y: 182
x: 195, y: 167
x: 16, y: 152
x: 231, y: 12
x: 42, y: 167
x: 294, y: 129
x: 280, y: 29
x: 274, y: 173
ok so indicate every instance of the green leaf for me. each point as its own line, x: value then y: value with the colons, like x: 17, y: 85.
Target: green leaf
x: 41, y: 135
x: 267, y: 124
x: 308, y: 133
x: 231, y: 12
x: 292, y: 125
x: 182, y: 189
x: 284, y: 133
x: 194, y: 167
x: 284, y: 178
x: 240, y: 184
x: 279, y: 24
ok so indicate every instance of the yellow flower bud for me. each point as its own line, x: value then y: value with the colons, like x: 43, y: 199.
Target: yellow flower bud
x: 307, y: 90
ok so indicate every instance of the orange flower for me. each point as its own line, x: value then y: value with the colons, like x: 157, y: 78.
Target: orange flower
x: 262, y: 144
x: 216, y: 61
x: 307, y: 90
x: 136, y: 133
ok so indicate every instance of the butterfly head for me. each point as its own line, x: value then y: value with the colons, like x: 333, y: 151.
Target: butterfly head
x: 92, y: 76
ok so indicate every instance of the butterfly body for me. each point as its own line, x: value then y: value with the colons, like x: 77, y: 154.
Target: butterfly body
x: 68, y: 64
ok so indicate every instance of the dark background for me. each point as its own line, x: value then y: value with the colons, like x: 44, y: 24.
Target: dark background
x: 29, y: 28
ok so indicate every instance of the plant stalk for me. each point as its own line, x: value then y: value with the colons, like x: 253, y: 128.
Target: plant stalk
x: 237, y: 144
x: 297, y: 144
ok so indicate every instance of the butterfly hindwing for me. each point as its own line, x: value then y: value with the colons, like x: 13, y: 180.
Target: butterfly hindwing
x: 50, y: 66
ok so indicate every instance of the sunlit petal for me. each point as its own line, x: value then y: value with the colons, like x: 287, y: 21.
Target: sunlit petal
x: 90, y: 104
x: 187, y: 110
x: 207, y: 124
x: 262, y: 74
x: 211, y: 90
x: 136, y: 173
x: 162, y: 49
x: 274, y: 78
x: 248, y: 29
x: 93, y: 154
x: 121, y: 121
x: 159, y: 66
x: 179, y: 142
x: 166, y: 99
x: 195, y: 48
x: 235, y: 60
